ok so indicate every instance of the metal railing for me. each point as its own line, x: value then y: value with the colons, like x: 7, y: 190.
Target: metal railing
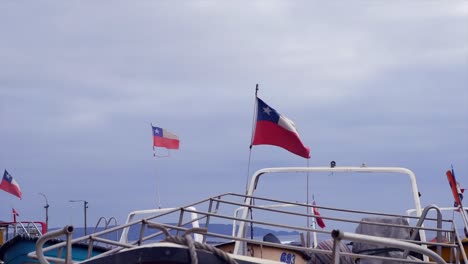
x: 156, y: 224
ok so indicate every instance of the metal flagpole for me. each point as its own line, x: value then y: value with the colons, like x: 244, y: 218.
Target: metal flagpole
x: 156, y: 172
x: 254, y: 117
x: 157, y: 187
x: 251, y: 139
x: 458, y: 194
x: 314, y: 226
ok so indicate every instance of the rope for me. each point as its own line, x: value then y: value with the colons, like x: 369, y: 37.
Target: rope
x: 192, y: 246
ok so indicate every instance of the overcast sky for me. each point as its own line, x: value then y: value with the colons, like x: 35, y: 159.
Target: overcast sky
x: 378, y: 82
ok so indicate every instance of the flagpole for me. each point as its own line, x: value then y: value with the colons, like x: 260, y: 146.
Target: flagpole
x: 314, y: 226
x: 251, y: 139
x: 156, y: 174
x: 13, y: 211
x: 460, y: 205
x: 457, y: 195
x: 254, y: 117
x: 157, y: 188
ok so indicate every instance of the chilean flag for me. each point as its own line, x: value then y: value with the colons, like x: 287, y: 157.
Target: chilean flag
x: 15, y: 214
x: 457, y: 192
x: 275, y: 129
x: 9, y: 185
x: 319, y: 219
x: 164, y: 138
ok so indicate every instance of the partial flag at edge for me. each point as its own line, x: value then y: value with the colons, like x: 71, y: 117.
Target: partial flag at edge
x: 316, y: 213
x: 272, y: 128
x: 462, y: 190
x: 455, y: 187
x: 15, y: 214
x: 9, y: 185
x: 164, y: 138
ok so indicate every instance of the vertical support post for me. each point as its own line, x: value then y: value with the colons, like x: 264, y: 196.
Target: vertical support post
x: 85, y: 205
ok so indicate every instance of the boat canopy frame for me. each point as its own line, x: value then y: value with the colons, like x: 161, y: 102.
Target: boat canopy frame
x: 240, y: 246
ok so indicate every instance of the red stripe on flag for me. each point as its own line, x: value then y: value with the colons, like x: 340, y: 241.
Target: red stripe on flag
x: 269, y: 133
x: 166, y: 142
x: 319, y: 219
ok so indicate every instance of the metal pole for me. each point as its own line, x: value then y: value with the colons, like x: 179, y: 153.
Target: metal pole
x: 85, y: 207
x: 68, y: 230
x: 46, y: 210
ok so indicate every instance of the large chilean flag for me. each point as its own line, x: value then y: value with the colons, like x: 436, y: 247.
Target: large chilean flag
x: 275, y: 129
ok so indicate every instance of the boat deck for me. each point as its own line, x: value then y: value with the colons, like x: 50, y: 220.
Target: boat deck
x: 349, y: 234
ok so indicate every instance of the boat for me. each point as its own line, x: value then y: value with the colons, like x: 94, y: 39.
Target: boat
x: 18, y: 238
x: 184, y: 234
x: 451, y: 211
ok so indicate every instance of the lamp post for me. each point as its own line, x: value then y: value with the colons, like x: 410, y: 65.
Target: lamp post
x: 46, y: 210
x: 85, y: 206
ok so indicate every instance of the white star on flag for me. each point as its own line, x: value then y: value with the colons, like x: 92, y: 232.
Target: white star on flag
x: 267, y: 110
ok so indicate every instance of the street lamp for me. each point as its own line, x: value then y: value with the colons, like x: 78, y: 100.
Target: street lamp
x: 46, y: 210
x: 85, y: 206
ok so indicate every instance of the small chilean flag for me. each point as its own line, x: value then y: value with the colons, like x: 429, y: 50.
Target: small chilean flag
x: 457, y: 192
x: 164, y: 138
x: 319, y: 219
x: 9, y: 185
x: 15, y: 214
x: 275, y: 129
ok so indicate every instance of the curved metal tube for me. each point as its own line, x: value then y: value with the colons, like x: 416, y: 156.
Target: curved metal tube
x: 67, y: 230
x: 108, y: 223
x: 420, y: 224
x: 99, y: 221
x: 110, y: 219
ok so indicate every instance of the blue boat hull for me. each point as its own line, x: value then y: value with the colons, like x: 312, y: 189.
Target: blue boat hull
x: 16, y: 250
